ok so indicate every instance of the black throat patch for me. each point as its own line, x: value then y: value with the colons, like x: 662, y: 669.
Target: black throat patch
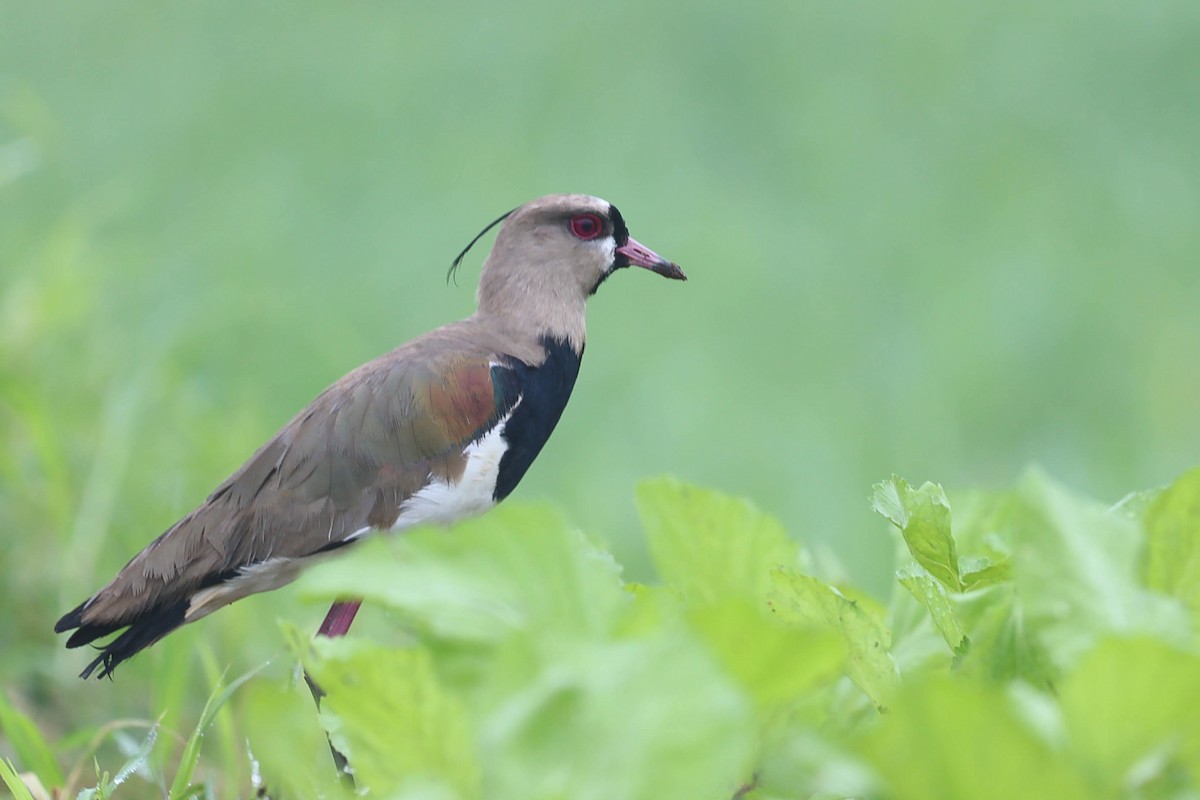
x: 544, y: 391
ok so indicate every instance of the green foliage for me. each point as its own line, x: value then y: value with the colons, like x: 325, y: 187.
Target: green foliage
x: 805, y: 600
x: 387, y: 711
x: 947, y: 740
x: 1038, y: 644
x: 547, y: 656
x: 1037, y: 661
x: 751, y: 646
x: 923, y: 517
x: 1172, y: 563
x: 1129, y: 709
x: 688, y: 533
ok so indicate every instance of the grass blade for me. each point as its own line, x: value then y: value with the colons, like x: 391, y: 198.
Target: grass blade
x: 32, y: 750
x: 8, y: 774
x: 180, y: 787
x: 139, y: 758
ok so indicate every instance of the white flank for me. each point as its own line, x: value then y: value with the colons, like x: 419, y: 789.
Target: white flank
x: 439, y: 503
x: 443, y: 503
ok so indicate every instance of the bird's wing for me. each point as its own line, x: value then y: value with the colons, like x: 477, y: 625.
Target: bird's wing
x: 343, y: 466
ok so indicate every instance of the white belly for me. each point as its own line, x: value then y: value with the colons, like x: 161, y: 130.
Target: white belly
x: 443, y: 503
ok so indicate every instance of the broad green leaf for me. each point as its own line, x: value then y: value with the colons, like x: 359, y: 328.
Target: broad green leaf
x: 923, y: 517
x: 517, y: 568
x: 285, y: 740
x: 653, y: 608
x: 710, y: 546
x: 804, y: 600
x: 932, y: 596
x: 1075, y: 566
x: 947, y: 740
x: 1005, y: 645
x: 386, y: 711
x: 1135, y: 504
x: 1172, y: 522
x: 26, y: 740
x: 774, y: 663
x: 983, y: 521
x: 646, y: 718
x: 808, y: 764
x: 1130, y: 703
x: 423, y: 790
x: 981, y: 572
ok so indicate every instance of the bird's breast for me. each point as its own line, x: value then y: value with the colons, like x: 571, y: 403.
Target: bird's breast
x: 496, y: 461
x: 544, y: 390
x: 442, y: 502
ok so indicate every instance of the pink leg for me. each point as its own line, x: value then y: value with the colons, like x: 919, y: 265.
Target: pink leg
x: 340, y: 617
x: 337, y: 622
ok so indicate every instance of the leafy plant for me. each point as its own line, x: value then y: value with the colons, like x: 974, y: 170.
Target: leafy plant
x: 1038, y: 644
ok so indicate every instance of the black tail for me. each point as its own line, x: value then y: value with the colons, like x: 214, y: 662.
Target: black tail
x: 144, y: 631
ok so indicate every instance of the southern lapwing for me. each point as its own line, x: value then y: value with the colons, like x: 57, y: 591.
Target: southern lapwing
x: 439, y: 429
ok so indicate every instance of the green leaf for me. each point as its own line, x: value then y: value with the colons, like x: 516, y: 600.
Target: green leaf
x: 647, y: 718
x: 946, y: 740
x: 923, y: 517
x: 932, y: 596
x: 1135, y: 504
x: 982, y: 522
x: 285, y: 740
x: 1005, y: 645
x: 31, y: 749
x: 1075, y: 567
x: 518, y: 568
x: 710, y: 546
x: 1130, y: 703
x: 1074, y: 578
x: 806, y: 601
x: 387, y: 712
x: 772, y: 662
x: 653, y: 608
x: 981, y: 572
x: 1172, y: 522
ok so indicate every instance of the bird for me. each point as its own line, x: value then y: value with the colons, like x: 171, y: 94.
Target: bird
x: 435, y: 431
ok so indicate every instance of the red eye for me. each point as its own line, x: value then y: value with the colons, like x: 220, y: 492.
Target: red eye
x: 587, y: 226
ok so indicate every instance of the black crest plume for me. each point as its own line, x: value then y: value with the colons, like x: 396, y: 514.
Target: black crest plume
x: 458, y: 259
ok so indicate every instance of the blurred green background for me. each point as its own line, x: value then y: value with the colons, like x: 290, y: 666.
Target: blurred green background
x: 938, y: 239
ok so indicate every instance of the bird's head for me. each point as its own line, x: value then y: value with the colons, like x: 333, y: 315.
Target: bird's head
x: 558, y: 249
